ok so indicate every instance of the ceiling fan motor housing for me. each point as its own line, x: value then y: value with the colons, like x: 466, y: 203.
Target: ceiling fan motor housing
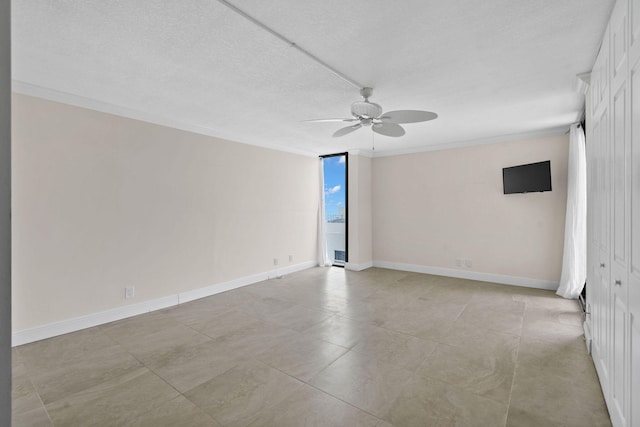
x: 365, y: 109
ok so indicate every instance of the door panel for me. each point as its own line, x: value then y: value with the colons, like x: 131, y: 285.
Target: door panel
x: 634, y: 33
x: 619, y: 176
x: 620, y: 116
x: 619, y: 43
x: 634, y: 245
x: 604, y: 189
x: 601, y: 308
x: 601, y: 78
x: 634, y: 372
x: 619, y: 365
x: 615, y: 209
x: 634, y: 166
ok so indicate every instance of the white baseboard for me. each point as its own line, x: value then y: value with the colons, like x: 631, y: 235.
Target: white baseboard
x: 94, y: 319
x: 471, y: 275
x: 358, y: 267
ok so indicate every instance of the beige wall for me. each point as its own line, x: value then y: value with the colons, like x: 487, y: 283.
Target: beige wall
x: 360, y: 218
x: 102, y: 202
x: 5, y: 213
x: 432, y: 208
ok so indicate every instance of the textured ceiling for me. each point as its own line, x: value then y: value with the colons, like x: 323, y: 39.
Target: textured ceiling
x: 488, y: 68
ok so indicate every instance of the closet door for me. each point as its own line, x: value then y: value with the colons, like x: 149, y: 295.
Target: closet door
x: 620, y: 254
x: 634, y: 270
x: 600, y: 233
x: 593, y: 270
x: 601, y: 243
x: 620, y: 225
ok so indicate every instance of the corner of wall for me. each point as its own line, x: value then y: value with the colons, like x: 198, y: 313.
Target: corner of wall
x: 447, y: 209
x: 360, y: 214
x: 99, y: 318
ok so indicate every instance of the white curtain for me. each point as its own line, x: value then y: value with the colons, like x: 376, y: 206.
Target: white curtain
x: 323, y: 252
x: 574, y: 259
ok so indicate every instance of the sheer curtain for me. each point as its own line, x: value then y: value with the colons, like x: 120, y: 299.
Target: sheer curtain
x: 574, y: 259
x: 323, y: 252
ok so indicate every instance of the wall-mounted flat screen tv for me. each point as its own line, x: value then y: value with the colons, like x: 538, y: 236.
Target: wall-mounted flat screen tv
x: 529, y: 178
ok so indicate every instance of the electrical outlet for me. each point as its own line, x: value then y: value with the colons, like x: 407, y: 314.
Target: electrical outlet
x: 275, y: 261
x: 129, y: 292
x: 458, y: 262
x: 290, y: 258
x: 468, y: 263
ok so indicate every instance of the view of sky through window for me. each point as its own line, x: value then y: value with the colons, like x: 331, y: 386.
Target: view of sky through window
x: 334, y: 183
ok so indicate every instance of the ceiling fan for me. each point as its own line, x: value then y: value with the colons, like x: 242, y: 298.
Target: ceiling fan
x: 367, y: 113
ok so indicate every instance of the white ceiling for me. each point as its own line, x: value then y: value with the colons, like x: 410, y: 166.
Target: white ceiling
x: 489, y: 68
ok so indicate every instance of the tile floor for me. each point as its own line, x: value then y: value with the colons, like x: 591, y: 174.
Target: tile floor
x: 323, y: 347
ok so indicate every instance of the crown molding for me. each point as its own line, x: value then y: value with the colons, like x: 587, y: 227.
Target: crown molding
x: 481, y: 141
x: 361, y: 153
x: 29, y: 89
x: 582, y: 82
x: 36, y: 91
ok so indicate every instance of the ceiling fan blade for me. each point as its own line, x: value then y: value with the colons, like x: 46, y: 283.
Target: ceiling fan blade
x: 388, y: 129
x: 330, y: 120
x: 407, y: 116
x: 348, y: 129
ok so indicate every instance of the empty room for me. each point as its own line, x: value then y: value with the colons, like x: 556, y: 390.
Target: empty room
x: 367, y: 213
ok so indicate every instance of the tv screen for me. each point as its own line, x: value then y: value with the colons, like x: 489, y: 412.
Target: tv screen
x: 533, y: 177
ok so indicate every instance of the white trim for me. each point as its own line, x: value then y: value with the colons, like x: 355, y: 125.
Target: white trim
x: 541, y: 133
x: 70, y: 325
x: 358, y: 267
x: 361, y: 152
x: 94, y: 319
x: 582, y: 82
x: 29, y: 89
x: 471, y: 275
x: 221, y: 287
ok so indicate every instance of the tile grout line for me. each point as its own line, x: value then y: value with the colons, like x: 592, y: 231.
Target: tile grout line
x: 515, y: 370
x: 402, y: 388
x: 351, y: 404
